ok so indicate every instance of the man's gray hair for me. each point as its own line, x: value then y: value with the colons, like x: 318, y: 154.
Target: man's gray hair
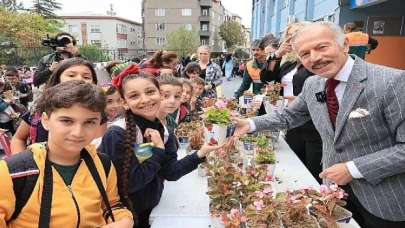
x: 335, y: 30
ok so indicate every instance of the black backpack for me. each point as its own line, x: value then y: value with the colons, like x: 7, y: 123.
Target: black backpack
x: 23, y: 185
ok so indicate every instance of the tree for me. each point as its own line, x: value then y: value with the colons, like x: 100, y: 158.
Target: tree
x: 231, y: 33
x: 25, y: 30
x: 241, y: 54
x: 182, y: 40
x: 46, y: 8
x: 94, y: 53
x: 11, y: 5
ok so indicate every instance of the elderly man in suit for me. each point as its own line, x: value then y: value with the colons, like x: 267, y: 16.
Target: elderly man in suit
x: 359, y: 110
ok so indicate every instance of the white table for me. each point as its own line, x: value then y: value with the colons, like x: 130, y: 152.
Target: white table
x: 184, y: 203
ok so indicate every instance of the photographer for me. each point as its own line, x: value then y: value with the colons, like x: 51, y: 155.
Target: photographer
x: 49, y: 63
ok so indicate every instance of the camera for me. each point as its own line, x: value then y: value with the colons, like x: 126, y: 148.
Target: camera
x: 54, y: 42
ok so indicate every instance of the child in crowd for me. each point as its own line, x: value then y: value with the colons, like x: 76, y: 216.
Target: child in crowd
x: 192, y: 70
x: 7, y: 113
x: 165, y: 71
x: 186, y: 97
x: 196, y: 100
x: 142, y: 182
x: 31, y: 127
x: 52, y: 175
x: 114, y: 106
x: 170, y: 113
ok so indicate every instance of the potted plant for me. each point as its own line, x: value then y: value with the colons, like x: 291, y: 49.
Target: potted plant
x: 298, y: 216
x: 183, y: 135
x: 327, y: 206
x: 190, y: 136
x: 218, y: 123
x: 246, y: 99
x: 234, y: 219
x: 264, y: 155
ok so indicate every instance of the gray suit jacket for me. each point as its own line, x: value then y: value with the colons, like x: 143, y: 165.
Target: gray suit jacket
x: 376, y: 143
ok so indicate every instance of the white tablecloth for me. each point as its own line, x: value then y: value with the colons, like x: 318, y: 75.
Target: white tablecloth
x: 184, y: 203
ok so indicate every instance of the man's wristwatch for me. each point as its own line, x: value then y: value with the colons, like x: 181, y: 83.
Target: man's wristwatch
x: 273, y: 57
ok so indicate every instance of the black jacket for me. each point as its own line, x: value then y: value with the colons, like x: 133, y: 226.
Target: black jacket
x: 309, y: 130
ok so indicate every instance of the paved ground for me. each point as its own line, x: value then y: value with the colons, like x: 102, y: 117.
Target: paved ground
x: 228, y: 88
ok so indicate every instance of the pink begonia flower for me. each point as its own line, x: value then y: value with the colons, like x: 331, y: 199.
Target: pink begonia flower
x: 203, y: 109
x: 259, y: 205
x: 339, y: 194
x: 222, y: 154
x: 334, y: 187
x: 234, y: 211
x: 220, y: 104
x: 268, y: 178
x: 203, y: 116
x: 324, y: 189
x: 267, y: 190
x: 243, y: 218
x: 259, y: 194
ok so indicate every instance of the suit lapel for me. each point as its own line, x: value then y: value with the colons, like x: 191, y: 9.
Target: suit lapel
x: 322, y: 108
x: 354, y: 87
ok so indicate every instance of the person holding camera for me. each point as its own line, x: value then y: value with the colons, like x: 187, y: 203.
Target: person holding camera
x: 63, y: 50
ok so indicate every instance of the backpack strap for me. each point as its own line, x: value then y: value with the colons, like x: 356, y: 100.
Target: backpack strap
x: 24, y: 173
x: 94, y: 173
x: 106, y: 162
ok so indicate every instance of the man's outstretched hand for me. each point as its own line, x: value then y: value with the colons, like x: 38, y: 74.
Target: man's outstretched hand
x: 242, y: 127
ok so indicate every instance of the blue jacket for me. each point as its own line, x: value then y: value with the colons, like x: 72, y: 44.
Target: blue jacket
x: 146, y: 178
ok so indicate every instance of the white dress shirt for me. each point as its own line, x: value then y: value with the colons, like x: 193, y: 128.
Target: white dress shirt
x: 288, y: 80
x: 342, y: 76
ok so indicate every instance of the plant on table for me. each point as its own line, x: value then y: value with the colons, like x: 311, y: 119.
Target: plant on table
x: 297, y: 214
x: 234, y: 219
x: 273, y: 91
x: 248, y: 93
x: 218, y: 114
x: 194, y: 131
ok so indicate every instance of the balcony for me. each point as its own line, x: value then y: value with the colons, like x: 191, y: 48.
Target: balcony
x: 205, y: 33
x: 205, y: 19
x: 206, y: 3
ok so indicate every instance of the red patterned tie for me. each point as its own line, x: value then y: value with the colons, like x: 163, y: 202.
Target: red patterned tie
x: 331, y: 100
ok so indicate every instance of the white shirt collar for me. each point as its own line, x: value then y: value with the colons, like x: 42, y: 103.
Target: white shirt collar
x: 343, y: 74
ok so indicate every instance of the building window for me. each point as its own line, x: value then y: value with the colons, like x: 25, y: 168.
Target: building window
x: 213, y: 14
x: 205, y: 12
x: 121, y: 29
x: 121, y: 43
x: 139, y: 33
x: 203, y: 42
x: 160, y: 41
x: 213, y: 28
x: 219, y: 17
x: 189, y: 27
x: 186, y: 12
x: 204, y: 27
x: 73, y: 29
x: 213, y: 43
x: 96, y: 43
x: 95, y: 28
x: 160, y: 12
x: 160, y: 27
x: 286, y: 3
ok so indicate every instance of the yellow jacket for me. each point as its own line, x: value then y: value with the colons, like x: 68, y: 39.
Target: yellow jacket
x: 63, y: 212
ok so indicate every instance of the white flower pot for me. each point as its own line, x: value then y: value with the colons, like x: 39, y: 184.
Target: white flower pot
x: 183, y: 141
x: 274, y: 108
x: 217, y: 135
x: 244, y: 102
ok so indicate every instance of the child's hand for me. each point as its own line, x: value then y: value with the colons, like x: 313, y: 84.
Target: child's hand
x: 125, y: 222
x: 154, y: 136
x: 7, y: 100
x: 206, y: 149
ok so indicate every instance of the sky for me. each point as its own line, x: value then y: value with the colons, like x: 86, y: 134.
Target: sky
x: 131, y: 9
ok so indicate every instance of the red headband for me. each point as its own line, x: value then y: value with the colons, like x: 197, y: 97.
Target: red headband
x: 131, y: 69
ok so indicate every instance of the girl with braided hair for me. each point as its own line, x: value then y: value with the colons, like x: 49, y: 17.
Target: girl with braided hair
x: 141, y: 182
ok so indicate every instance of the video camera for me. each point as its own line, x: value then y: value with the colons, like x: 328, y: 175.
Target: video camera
x: 54, y: 42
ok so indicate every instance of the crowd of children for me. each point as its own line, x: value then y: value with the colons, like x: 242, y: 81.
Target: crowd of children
x: 73, y: 119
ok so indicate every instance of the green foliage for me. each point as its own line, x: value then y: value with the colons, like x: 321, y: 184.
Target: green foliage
x: 46, y: 8
x: 93, y: 53
x: 231, y: 32
x: 240, y: 53
x: 220, y: 116
x: 11, y: 5
x: 182, y: 40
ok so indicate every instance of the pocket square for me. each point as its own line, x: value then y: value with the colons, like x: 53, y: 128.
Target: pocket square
x: 358, y: 113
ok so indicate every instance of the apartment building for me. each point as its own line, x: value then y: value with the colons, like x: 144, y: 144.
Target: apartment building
x: 161, y: 17
x: 120, y: 37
